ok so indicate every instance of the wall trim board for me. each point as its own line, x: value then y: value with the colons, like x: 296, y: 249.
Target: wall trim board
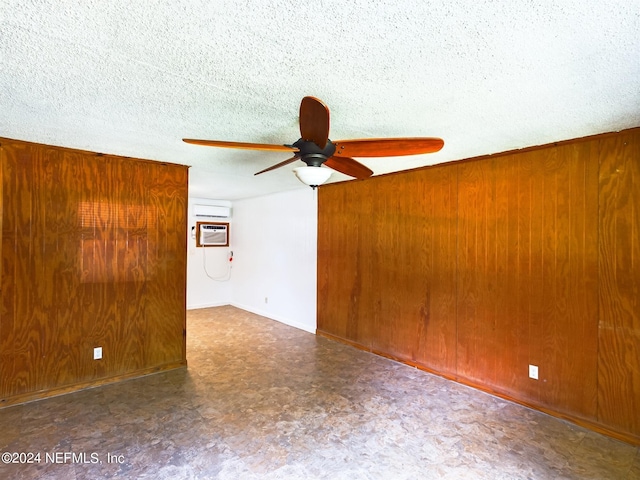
x: 277, y: 318
x: 68, y: 389
x: 583, y: 422
x: 207, y: 305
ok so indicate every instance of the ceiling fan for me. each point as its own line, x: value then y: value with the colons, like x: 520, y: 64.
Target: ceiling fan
x: 315, y: 149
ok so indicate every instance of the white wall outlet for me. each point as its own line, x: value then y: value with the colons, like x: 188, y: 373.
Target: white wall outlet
x: 97, y: 353
x: 533, y: 372
x: 266, y: 299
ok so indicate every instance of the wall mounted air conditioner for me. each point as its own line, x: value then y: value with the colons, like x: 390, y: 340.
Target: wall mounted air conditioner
x: 211, y: 211
x: 212, y: 234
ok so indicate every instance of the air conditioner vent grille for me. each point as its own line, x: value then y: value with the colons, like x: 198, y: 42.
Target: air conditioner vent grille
x: 213, y: 234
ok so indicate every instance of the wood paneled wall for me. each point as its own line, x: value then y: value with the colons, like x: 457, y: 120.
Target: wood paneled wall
x: 386, y: 266
x: 619, y: 293
x: 93, y: 255
x: 477, y: 269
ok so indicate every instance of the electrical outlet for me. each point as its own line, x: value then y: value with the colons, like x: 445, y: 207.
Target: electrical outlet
x: 533, y: 372
x: 266, y: 299
x: 97, y: 353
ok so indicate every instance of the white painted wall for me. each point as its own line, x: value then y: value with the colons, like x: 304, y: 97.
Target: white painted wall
x: 274, y: 241
x: 203, y: 291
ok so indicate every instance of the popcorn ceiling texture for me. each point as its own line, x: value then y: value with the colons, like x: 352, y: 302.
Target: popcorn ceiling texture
x: 134, y: 78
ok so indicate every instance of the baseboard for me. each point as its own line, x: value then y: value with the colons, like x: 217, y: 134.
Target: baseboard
x: 586, y: 423
x: 76, y: 387
x: 286, y: 321
x: 206, y: 305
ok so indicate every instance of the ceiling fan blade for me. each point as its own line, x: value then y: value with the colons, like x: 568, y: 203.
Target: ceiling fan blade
x: 281, y: 164
x: 247, y: 146
x: 387, y: 147
x: 348, y: 166
x: 314, y: 121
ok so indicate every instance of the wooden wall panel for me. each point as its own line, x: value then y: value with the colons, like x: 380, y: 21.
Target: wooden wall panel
x: 417, y: 297
x: 396, y: 256
x: 531, y: 258
x: 528, y: 276
x: 344, y: 239
x: 93, y: 254
x: 571, y: 267
x: 619, y: 360
x: 168, y: 269
x: 8, y: 356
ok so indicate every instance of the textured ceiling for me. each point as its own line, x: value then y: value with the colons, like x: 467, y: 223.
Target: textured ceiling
x: 134, y: 78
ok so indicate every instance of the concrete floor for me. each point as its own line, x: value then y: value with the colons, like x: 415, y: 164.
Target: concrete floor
x: 261, y: 400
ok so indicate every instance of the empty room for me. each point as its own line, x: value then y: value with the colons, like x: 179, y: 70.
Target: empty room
x: 323, y: 240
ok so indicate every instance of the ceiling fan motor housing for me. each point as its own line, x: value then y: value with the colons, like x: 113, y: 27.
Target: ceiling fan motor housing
x: 312, y: 154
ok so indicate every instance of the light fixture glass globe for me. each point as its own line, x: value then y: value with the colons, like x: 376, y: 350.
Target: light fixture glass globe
x: 312, y: 176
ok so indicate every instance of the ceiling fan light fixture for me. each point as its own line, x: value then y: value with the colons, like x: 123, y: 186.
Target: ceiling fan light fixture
x: 312, y: 176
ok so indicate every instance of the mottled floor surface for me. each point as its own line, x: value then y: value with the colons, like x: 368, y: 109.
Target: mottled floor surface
x: 264, y: 400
